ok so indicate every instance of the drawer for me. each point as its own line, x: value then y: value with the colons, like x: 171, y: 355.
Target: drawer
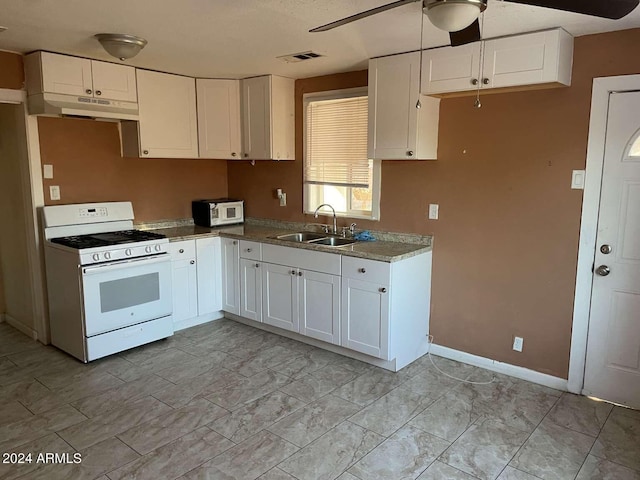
x: 250, y: 250
x: 182, y: 249
x: 366, y: 270
x: 301, y: 258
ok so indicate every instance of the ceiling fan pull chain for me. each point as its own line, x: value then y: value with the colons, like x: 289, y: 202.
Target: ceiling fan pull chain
x: 418, y: 103
x: 478, y: 103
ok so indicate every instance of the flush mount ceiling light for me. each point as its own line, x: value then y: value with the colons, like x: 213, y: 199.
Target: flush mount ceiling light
x: 120, y: 45
x: 453, y: 15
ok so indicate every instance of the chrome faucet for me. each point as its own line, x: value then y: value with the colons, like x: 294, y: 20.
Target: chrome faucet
x: 335, y: 223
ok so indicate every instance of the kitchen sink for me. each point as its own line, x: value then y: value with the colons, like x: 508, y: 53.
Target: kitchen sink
x: 301, y: 237
x: 333, y: 241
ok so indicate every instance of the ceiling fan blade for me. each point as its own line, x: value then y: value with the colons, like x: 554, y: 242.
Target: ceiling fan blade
x: 613, y: 9
x: 469, y: 34
x: 358, y: 16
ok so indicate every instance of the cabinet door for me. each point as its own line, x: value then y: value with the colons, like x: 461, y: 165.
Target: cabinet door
x: 168, y: 125
x: 185, y: 297
x: 319, y: 302
x: 219, y: 118
x: 209, y: 277
x: 393, y: 93
x: 522, y: 59
x: 365, y: 317
x: 279, y: 296
x: 230, y: 276
x: 256, y: 118
x: 113, y: 81
x: 450, y: 69
x: 250, y: 289
x: 69, y: 75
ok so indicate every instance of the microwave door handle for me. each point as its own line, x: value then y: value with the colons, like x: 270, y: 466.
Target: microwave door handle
x: 108, y: 267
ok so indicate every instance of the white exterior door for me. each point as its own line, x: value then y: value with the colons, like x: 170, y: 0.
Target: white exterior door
x: 613, y: 351
x: 319, y: 297
x: 279, y: 296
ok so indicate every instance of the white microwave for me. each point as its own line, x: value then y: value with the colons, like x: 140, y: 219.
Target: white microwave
x: 217, y: 211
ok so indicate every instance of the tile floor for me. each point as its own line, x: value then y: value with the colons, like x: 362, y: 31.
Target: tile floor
x: 227, y: 401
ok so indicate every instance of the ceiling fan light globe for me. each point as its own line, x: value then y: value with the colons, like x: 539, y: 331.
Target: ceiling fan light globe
x: 453, y: 15
x: 121, y: 46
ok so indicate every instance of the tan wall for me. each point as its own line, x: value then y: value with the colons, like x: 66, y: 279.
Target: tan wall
x: 3, y: 303
x: 506, y: 242
x: 11, y: 71
x: 87, y: 166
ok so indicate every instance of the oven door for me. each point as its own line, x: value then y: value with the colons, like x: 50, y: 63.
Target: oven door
x: 120, y: 294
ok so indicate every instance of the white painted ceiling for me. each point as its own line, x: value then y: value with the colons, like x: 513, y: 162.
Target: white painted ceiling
x: 241, y: 38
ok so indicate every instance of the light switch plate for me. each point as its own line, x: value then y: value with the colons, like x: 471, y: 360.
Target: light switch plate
x: 577, y: 180
x: 433, y: 211
x: 47, y: 171
x: 54, y: 192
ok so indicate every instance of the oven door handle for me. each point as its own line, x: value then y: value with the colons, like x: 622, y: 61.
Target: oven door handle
x: 107, y: 267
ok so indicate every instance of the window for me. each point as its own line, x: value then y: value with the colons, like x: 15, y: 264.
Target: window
x: 634, y: 149
x: 336, y: 168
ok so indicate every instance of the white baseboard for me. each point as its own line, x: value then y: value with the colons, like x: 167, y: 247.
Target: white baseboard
x: 192, y: 322
x: 500, y: 367
x: 18, y: 325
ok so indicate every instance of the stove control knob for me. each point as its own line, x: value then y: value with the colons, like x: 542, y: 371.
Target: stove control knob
x: 127, y: 252
x: 158, y: 248
x: 107, y: 255
x: 96, y: 256
x: 147, y: 249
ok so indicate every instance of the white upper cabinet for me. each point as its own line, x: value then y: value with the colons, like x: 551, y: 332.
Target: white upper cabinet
x: 268, y: 127
x: 219, y: 118
x: 520, y: 60
x: 54, y: 73
x: 168, y: 125
x: 397, y: 129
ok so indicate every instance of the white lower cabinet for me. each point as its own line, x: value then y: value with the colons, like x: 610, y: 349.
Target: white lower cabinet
x: 251, y: 289
x: 196, y: 282
x: 184, y: 280
x: 319, y: 306
x: 230, y: 253
x: 365, y: 317
x: 279, y: 297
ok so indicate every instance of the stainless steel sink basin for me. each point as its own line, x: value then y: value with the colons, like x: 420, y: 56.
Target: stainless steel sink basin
x: 333, y: 241
x: 301, y: 237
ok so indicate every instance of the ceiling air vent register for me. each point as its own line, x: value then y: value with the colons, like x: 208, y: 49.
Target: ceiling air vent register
x: 299, y: 57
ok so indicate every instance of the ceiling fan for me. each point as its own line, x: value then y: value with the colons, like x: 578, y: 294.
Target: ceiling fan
x: 460, y: 17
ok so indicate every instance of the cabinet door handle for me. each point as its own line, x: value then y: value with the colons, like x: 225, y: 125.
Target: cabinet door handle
x: 88, y: 91
x: 293, y: 272
x: 362, y: 270
x: 233, y: 154
x: 98, y: 92
x: 181, y: 250
x: 246, y: 155
x: 474, y: 81
x: 485, y: 81
x: 382, y: 290
x: 235, y: 242
x: 257, y: 265
x: 192, y: 262
x: 249, y: 250
x: 299, y: 274
x: 410, y: 153
x: 145, y: 152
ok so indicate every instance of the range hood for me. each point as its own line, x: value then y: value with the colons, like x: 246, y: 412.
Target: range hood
x: 59, y: 104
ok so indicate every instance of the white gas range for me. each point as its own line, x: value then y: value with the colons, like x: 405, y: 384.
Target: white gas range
x: 109, y: 285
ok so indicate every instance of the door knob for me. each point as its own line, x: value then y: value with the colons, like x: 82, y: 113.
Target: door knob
x: 606, y: 249
x: 603, y: 270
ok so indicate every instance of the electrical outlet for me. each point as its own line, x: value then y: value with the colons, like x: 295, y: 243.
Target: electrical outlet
x: 433, y: 211
x: 47, y: 171
x: 517, y: 343
x: 54, y: 192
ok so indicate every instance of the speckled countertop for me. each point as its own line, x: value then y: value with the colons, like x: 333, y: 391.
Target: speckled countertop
x: 265, y: 231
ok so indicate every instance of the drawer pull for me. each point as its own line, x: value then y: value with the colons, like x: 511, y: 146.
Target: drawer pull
x: 249, y: 250
x: 383, y: 290
x: 181, y: 250
x: 257, y: 265
x: 192, y: 262
x: 362, y: 270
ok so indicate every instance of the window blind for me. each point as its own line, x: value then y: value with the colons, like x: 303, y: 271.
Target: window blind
x: 336, y: 142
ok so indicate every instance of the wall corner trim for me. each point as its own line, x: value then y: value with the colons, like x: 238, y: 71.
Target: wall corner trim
x: 18, y: 325
x: 500, y: 367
